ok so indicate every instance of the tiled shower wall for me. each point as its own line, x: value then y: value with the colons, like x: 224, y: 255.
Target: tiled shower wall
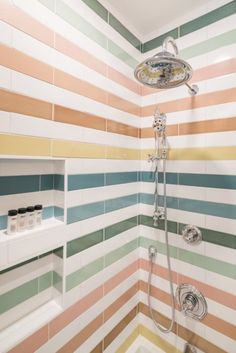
x: 67, y: 90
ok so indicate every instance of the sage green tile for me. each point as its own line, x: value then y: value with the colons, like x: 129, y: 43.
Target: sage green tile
x: 18, y: 295
x: 208, y: 263
x: 206, y: 46
x: 156, y: 42
x: 161, y: 247
x: 119, y: 27
x: 50, y: 4
x: 117, y: 254
x: 81, y: 275
x: 209, y: 18
x: 57, y: 281
x: 83, y: 243
x: 121, y: 54
x: 45, y: 281
x: 78, y: 22
x: 120, y: 227
x: 98, y: 8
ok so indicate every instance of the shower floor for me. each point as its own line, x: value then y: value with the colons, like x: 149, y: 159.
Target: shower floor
x: 142, y: 345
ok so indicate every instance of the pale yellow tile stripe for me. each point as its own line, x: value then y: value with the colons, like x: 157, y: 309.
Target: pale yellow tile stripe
x: 24, y: 145
x: 128, y: 342
x: 35, y: 146
x: 199, y: 153
x: 149, y: 335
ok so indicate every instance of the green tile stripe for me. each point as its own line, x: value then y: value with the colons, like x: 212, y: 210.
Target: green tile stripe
x: 206, y: 46
x: 124, y: 32
x: 194, y: 25
x: 211, y: 236
x: 209, y: 18
x: 113, y: 22
x: 78, y: 22
x: 188, y: 27
x: 208, y: 263
x: 80, y: 244
x: 27, y: 290
x: 77, y: 277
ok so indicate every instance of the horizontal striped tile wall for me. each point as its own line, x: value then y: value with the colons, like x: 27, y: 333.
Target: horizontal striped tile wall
x: 67, y: 90
x: 28, y: 285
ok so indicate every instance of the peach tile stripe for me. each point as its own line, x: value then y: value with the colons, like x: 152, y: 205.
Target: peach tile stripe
x: 32, y: 343
x: 15, y: 60
x: 184, y: 333
x: 210, y: 320
x: 189, y: 103
x: 18, y: 103
x: 25, y: 23
x: 225, y: 67
x: 198, y: 127
x: 70, y: 314
x: 213, y: 293
x: 22, y: 21
x: 75, y: 52
x: 81, y: 87
x: 97, y: 294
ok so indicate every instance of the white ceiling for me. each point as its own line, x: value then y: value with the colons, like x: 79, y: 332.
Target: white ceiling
x: 145, y: 17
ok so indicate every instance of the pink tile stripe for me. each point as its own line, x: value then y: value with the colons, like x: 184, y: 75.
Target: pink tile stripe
x: 32, y: 343
x: 213, y: 293
x: 25, y: 23
x: 41, y: 336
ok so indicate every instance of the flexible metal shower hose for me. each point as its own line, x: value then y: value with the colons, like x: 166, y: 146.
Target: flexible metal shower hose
x: 160, y: 327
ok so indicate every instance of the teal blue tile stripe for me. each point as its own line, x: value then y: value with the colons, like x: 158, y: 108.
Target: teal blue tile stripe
x: 19, y: 184
x: 191, y: 179
x: 84, y: 181
x: 79, y: 213
x: 204, y: 207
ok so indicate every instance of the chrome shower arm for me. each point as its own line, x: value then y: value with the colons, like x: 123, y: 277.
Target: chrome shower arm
x: 193, y: 90
x: 170, y: 40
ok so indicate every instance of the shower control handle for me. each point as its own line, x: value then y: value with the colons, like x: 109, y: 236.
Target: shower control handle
x: 191, y: 234
x: 189, y: 303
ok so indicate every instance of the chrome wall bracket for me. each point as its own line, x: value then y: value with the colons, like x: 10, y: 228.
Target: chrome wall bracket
x: 191, y: 302
x: 191, y: 234
x: 188, y: 348
x: 152, y: 252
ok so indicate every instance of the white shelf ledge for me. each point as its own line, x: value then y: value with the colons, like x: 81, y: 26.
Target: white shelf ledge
x: 46, y: 224
x: 26, y: 326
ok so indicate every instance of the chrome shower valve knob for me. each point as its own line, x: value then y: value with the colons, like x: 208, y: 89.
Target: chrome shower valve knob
x: 191, y: 234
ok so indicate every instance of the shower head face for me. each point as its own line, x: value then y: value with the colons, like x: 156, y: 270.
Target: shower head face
x: 163, y: 71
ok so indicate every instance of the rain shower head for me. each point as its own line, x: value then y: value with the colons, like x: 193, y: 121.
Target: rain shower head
x: 165, y: 70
